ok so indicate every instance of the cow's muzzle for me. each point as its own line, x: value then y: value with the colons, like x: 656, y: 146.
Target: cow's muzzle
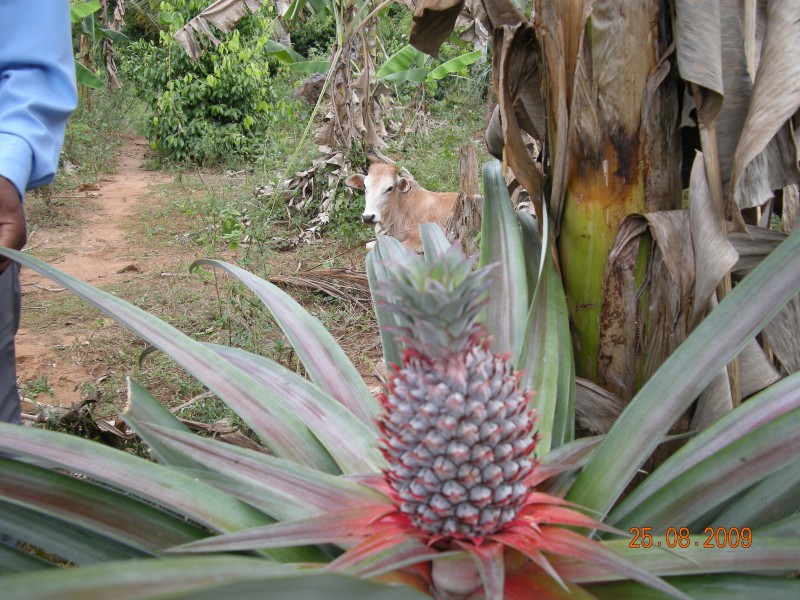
x: 365, y: 218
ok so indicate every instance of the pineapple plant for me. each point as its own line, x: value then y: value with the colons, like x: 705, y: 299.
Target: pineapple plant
x: 439, y: 488
x: 458, y: 430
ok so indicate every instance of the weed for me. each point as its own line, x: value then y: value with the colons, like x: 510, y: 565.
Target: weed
x: 36, y: 387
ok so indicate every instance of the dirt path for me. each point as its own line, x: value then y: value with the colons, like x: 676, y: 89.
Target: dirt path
x: 99, y: 252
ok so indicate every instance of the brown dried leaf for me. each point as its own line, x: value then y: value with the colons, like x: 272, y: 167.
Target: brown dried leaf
x: 595, y: 408
x: 753, y: 246
x: 755, y: 370
x: 347, y: 285
x: 561, y: 27
x: 670, y: 278
x: 434, y: 21
x: 494, y: 135
x: 775, y: 99
x: 791, y: 206
x: 714, y: 402
x: 503, y: 12
x: 698, y: 37
x: 714, y: 256
x: 783, y: 336
x: 223, y: 14
x: 516, y: 72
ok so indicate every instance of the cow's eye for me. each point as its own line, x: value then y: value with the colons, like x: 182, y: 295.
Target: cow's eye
x: 389, y: 189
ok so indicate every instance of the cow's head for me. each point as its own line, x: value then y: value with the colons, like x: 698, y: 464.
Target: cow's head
x: 381, y: 187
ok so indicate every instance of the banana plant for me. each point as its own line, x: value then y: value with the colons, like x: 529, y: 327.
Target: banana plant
x: 621, y: 94
x: 84, y: 15
x: 347, y: 502
x: 408, y: 64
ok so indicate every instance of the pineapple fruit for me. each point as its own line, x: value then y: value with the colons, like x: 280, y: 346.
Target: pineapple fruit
x: 457, y: 428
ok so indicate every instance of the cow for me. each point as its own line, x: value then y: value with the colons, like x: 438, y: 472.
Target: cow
x: 398, y: 205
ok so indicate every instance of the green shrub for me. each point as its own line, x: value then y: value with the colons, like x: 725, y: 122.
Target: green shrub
x: 217, y: 108
x: 314, y: 35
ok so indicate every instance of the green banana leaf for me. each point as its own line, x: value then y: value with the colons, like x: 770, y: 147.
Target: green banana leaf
x: 401, y: 62
x: 85, y: 77
x: 455, y: 65
x: 309, y: 67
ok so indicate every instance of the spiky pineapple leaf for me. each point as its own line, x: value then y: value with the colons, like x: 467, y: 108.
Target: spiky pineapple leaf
x: 564, y: 542
x: 685, y: 374
x: 546, y: 357
x: 769, y: 404
x: 532, y: 247
x: 214, y: 577
x: 351, y: 443
x: 397, y: 556
x: 343, y: 528
x: 143, y: 408
x: 264, y: 411
x: 743, y: 463
x: 14, y: 560
x: 527, y: 583
x: 788, y: 527
x: 774, y: 498
x: 491, y: 566
x: 699, y: 587
x: 158, y: 484
x: 388, y: 251
x: 102, y: 511
x: 434, y: 241
x: 61, y: 538
x: 285, y: 490
x: 773, y: 553
x: 501, y: 243
x: 325, y: 361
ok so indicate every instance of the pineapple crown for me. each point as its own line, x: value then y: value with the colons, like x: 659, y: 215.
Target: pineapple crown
x: 436, y: 302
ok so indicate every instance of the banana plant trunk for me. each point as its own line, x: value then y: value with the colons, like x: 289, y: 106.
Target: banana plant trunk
x: 614, y: 134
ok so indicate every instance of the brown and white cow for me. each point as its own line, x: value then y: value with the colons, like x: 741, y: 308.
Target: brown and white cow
x: 397, y: 205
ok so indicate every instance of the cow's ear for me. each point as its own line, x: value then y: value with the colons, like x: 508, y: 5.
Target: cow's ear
x: 403, y: 184
x: 355, y: 181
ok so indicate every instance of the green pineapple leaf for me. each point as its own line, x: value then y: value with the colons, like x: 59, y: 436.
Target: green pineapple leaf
x: 501, y: 244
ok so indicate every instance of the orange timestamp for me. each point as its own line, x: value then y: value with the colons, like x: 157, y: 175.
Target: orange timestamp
x: 679, y: 537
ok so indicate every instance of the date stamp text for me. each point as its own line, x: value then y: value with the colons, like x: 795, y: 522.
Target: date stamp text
x: 679, y: 537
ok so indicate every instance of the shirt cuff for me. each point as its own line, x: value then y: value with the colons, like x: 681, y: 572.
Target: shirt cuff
x: 16, y: 161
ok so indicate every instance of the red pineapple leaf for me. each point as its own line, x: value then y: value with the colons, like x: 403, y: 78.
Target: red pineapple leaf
x: 532, y: 583
x: 491, y: 566
x: 387, y: 539
x: 344, y: 528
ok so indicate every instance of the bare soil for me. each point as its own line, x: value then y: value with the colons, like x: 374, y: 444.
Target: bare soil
x: 96, y: 250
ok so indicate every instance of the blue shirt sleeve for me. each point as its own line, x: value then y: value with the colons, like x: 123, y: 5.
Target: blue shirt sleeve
x: 37, y: 88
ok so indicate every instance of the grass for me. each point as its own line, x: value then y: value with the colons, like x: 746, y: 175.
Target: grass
x: 213, y: 213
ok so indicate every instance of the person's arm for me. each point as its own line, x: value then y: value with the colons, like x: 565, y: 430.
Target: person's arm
x: 37, y: 94
x: 12, y: 218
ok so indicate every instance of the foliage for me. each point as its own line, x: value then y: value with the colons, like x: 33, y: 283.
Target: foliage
x: 313, y: 35
x: 321, y: 485
x: 219, y: 107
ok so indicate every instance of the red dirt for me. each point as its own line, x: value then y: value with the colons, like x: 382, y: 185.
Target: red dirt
x: 97, y: 252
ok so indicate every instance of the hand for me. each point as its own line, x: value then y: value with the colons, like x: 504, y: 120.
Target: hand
x: 13, y: 232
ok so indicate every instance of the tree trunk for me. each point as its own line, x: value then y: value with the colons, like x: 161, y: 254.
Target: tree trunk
x: 621, y: 153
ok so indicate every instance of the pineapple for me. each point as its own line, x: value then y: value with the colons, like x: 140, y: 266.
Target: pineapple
x: 457, y: 428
